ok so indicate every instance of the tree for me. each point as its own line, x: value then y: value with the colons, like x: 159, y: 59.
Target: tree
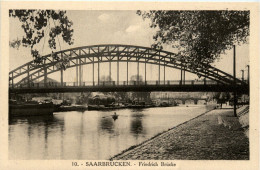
x: 41, y: 23
x: 222, y: 97
x: 106, y: 79
x: 137, y: 95
x: 199, y: 36
x: 118, y: 95
x: 136, y: 78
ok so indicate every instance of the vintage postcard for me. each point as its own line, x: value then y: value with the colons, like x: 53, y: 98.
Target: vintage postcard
x: 129, y: 85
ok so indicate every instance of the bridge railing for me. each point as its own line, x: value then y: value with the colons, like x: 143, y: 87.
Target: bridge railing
x: 115, y: 83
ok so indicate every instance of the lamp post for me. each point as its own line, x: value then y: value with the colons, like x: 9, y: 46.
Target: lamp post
x: 247, y: 73
x: 242, y: 75
x: 235, y: 84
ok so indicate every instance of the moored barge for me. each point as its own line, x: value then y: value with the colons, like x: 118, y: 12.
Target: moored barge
x: 30, y: 108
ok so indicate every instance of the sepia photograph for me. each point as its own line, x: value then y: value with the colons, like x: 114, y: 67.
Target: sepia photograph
x: 130, y: 87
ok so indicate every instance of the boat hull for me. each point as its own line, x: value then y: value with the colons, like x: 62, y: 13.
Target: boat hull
x: 96, y: 107
x: 16, y: 110
x: 71, y: 108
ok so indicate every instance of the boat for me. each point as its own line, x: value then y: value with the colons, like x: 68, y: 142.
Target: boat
x: 137, y: 106
x: 164, y: 104
x: 102, y: 107
x: 115, y: 116
x: 95, y: 107
x: 71, y: 108
x: 31, y: 108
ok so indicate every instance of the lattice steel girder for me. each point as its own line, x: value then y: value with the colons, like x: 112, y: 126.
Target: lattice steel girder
x: 126, y: 53
x: 57, y: 69
x: 170, y: 65
x: 54, y: 70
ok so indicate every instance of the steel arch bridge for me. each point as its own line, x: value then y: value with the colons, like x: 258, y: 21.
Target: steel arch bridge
x: 96, y: 54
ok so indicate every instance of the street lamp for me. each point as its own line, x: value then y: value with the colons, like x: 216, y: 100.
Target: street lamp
x: 247, y: 73
x: 242, y: 75
x: 235, y: 84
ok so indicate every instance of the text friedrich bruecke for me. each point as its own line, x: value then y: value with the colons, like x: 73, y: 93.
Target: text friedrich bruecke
x: 123, y: 163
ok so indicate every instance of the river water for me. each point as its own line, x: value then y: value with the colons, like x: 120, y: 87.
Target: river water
x: 91, y: 135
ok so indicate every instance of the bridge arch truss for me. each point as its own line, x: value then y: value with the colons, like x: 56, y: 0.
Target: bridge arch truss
x: 97, y: 54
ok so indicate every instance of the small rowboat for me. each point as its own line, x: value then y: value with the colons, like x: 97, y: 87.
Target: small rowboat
x: 115, y: 116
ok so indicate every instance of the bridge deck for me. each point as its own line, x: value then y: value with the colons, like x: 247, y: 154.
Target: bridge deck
x: 137, y: 88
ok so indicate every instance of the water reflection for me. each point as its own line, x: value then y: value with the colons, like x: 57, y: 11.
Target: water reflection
x: 37, y: 130
x: 91, y: 135
x: 138, y: 110
x: 115, y: 117
x: 107, y: 124
x: 49, y: 120
x: 136, y: 126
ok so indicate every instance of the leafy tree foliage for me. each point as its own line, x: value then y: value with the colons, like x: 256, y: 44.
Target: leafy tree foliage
x: 199, y: 36
x: 137, y: 78
x: 41, y: 23
x: 139, y: 95
x: 106, y: 78
x: 222, y: 97
x: 117, y: 95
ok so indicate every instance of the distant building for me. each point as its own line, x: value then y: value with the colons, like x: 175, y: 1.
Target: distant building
x: 49, y: 81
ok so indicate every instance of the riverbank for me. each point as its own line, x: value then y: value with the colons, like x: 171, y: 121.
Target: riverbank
x: 215, y: 135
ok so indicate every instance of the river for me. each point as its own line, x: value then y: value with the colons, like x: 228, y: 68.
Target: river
x: 91, y: 135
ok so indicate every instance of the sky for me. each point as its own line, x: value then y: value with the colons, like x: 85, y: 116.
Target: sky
x: 115, y: 27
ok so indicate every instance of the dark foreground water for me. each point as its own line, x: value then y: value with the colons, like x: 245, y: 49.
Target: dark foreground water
x: 91, y: 135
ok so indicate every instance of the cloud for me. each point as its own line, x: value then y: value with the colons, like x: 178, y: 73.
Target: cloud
x: 133, y: 28
x: 104, y: 17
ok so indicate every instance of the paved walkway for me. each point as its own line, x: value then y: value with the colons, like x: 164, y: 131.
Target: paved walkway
x: 216, y: 135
